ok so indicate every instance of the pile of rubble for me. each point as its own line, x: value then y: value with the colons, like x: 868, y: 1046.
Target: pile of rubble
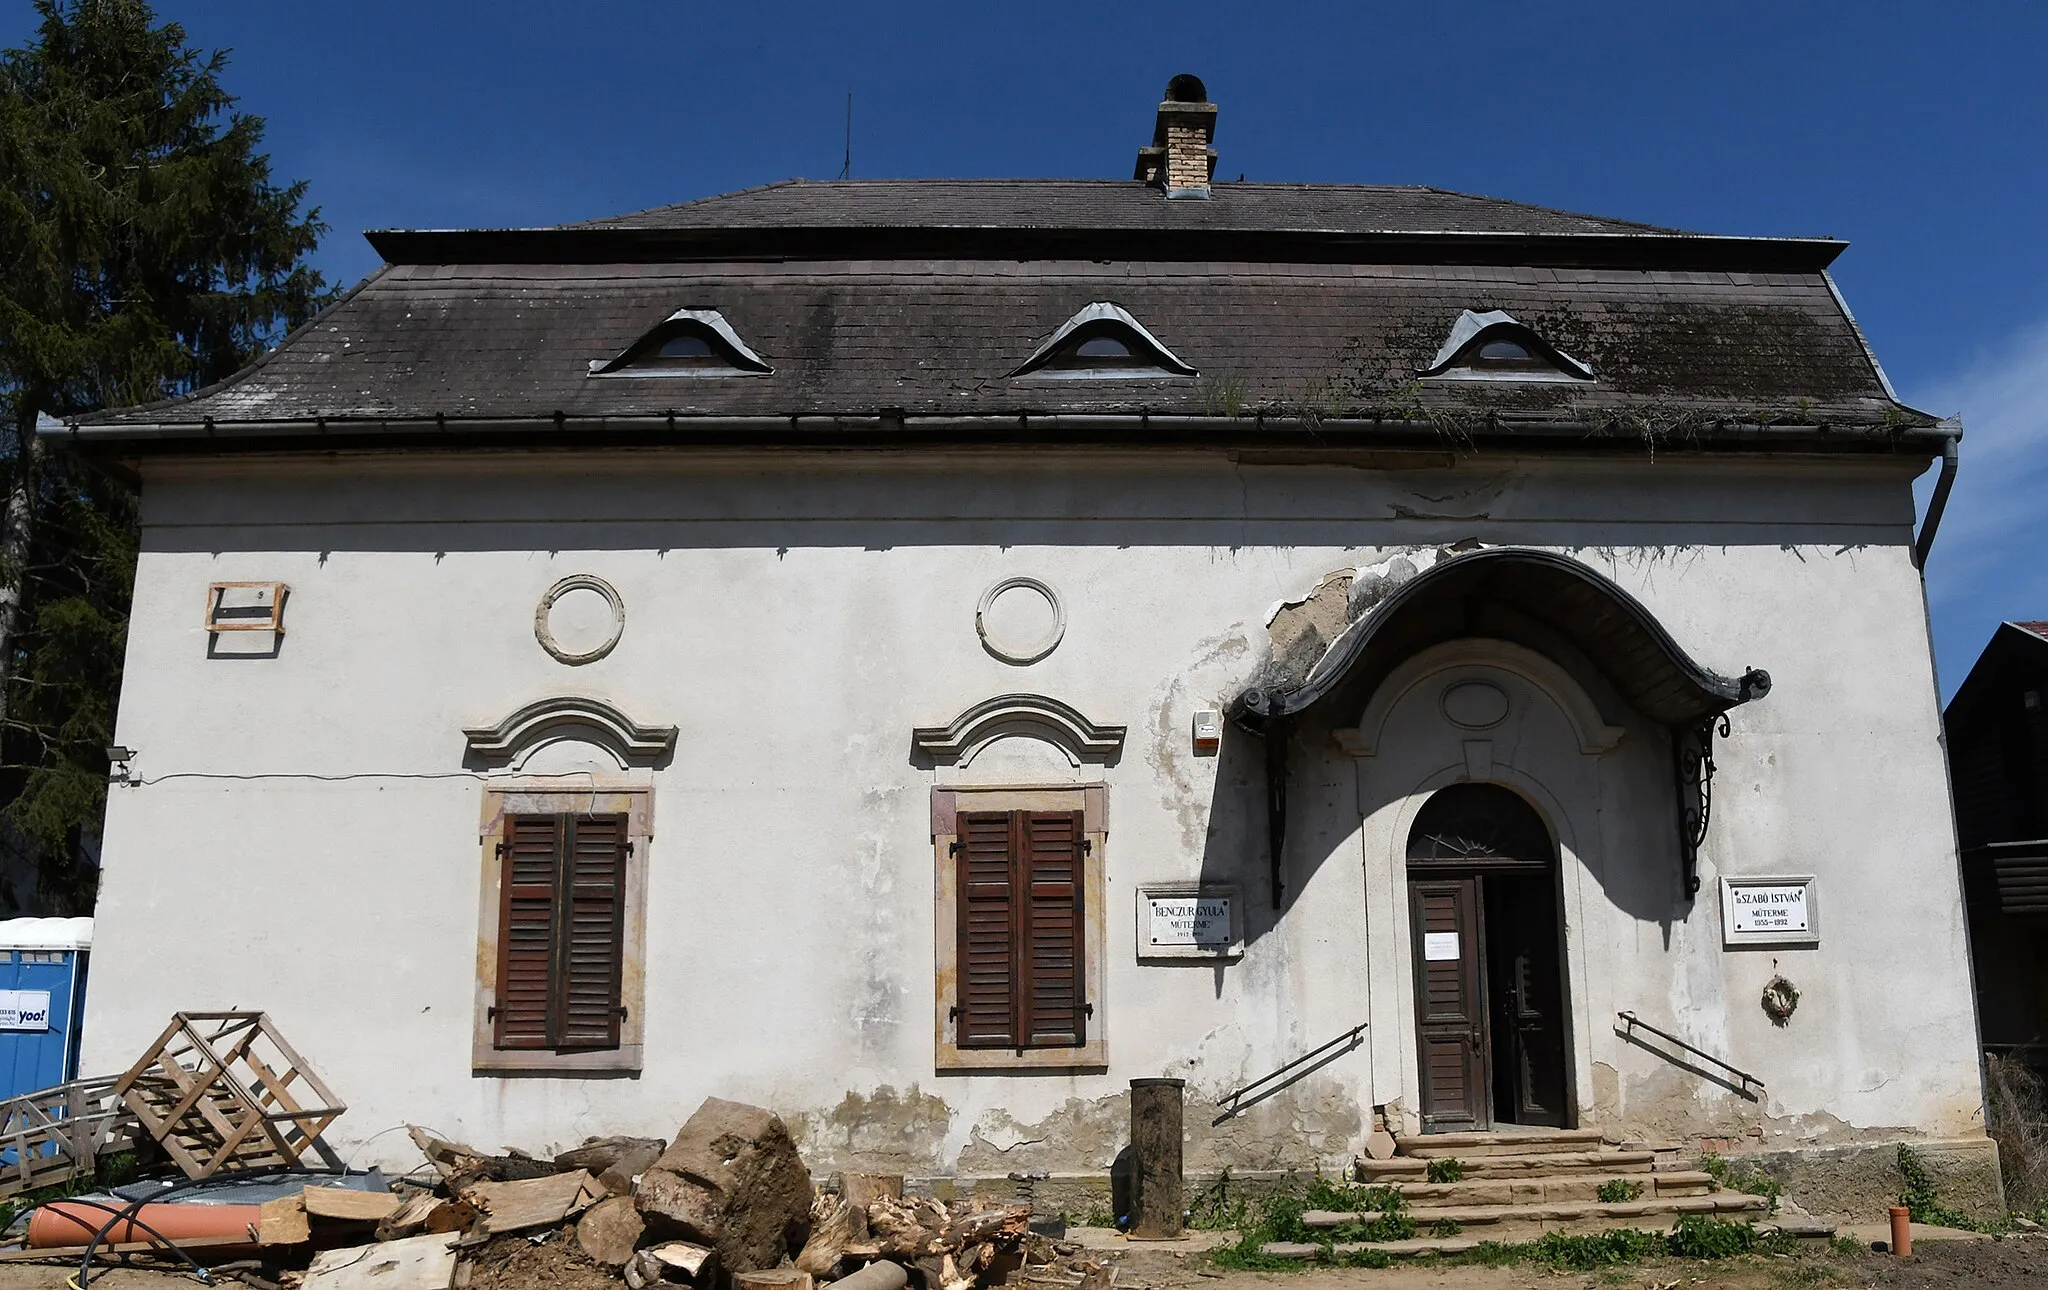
x: 729, y: 1205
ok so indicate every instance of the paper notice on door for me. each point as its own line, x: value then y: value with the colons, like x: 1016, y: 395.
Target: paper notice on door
x: 1439, y: 947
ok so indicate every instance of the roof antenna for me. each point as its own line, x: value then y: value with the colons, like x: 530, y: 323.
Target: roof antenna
x: 846, y: 168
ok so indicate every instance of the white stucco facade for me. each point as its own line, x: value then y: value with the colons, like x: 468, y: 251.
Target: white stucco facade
x: 302, y: 835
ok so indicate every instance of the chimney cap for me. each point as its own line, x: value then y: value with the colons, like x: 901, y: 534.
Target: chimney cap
x: 1186, y: 88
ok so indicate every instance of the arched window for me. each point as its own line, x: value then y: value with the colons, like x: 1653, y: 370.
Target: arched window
x: 1478, y: 823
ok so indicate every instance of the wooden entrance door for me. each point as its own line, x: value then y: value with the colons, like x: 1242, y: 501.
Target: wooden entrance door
x: 1490, y: 1005
x: 1525, y: 986
x: 1450, y: 1003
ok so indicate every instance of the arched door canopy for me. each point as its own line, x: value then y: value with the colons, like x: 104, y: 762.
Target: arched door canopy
x: 1512, y: 593
x: 1548, y: 602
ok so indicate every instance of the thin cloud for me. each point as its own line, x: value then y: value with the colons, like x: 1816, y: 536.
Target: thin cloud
x: 1987, y: 562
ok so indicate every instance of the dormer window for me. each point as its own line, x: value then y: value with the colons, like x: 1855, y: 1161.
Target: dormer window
x: 1104, y: 342
x: 689, y: 342
x: 1493, y: 346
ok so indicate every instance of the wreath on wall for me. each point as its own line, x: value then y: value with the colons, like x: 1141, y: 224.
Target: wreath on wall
x: 1781, y: 997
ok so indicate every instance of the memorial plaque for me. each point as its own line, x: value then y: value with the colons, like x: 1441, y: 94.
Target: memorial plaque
x: 1768, y: 909
x: 1187, y: 920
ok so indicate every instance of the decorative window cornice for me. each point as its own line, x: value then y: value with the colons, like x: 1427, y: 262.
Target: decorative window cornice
x: 570, y: 716
x: 1030, y: 715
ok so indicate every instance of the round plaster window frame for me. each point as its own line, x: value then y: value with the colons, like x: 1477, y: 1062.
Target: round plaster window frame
x: 546, y: 636
x: 1033, y: 653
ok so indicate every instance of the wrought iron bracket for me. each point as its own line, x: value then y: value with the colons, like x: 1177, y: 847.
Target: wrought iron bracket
x: 1694, y: 763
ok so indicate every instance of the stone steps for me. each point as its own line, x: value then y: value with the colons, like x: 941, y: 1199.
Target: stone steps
x: 1609, y: 1163
x: 1549, y: 1212
x: 1523, y: 1142
x: 1536, y: 1190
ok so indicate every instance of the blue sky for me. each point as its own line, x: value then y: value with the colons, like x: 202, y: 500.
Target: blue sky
x: 1914, y: 131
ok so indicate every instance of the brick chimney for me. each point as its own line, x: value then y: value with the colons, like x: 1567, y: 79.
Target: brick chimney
x: 1181, y: 159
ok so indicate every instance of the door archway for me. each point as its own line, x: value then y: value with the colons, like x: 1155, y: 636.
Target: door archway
x: 1492, y: 1029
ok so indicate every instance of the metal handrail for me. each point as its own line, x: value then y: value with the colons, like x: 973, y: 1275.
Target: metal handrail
x: 1634, y: 1022
x: 1229, y: 1100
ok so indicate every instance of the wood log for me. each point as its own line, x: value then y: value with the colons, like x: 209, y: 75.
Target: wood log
x: 461, y: 1165
x: 533, y: 1202
x: 410, y: 1218
x: 864, y: 1190
x: 832, y: 1230
x: 683, y: 1256
x: 1006, y: 1224
x: 773, y: 1279
x: 283, y: 1222
x: 600, y: 1154
x: 452, y: 1216
x: 345, y: 1205
x: 610, y: 1230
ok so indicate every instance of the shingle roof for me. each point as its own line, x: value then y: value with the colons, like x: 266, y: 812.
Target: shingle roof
x: 449, y: 334
x: 1112, y: 204
x: 938, y: 338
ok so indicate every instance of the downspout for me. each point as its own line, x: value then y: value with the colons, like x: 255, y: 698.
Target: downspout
x: 1950, y: 456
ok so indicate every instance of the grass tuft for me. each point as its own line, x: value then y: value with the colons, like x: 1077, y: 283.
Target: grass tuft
x: 1617, y: 1190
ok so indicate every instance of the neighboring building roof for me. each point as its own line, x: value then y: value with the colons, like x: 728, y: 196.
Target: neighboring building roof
x: 2023, y: 643
x: 1325, y: 306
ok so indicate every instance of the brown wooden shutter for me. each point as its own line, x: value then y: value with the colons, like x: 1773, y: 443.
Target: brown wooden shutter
x: 529, y: 864
x: 561, y: 932
x: 1052, y: 997
x: 987, y: 915
x: 593, y: 949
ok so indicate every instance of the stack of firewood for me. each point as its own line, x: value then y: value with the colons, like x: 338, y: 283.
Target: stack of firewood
x: 957, y: 1246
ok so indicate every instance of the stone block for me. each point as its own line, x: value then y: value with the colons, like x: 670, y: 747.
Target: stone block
x: 731, y: 1180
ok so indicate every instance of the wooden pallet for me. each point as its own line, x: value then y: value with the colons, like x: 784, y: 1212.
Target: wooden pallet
x: 223, y: 1090
x: 55, y: 1134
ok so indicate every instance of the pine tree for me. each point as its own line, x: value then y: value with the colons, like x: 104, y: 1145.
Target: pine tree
x: 145, y: 252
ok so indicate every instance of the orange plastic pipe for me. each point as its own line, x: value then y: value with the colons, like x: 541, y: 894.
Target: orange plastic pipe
x: 1902, y: 1231
x: 64, y: 1222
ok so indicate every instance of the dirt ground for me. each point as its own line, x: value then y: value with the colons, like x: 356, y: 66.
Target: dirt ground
x: 2017, y: 1263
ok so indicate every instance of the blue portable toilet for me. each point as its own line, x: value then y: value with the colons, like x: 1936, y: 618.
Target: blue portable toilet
x: 42, y: 998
